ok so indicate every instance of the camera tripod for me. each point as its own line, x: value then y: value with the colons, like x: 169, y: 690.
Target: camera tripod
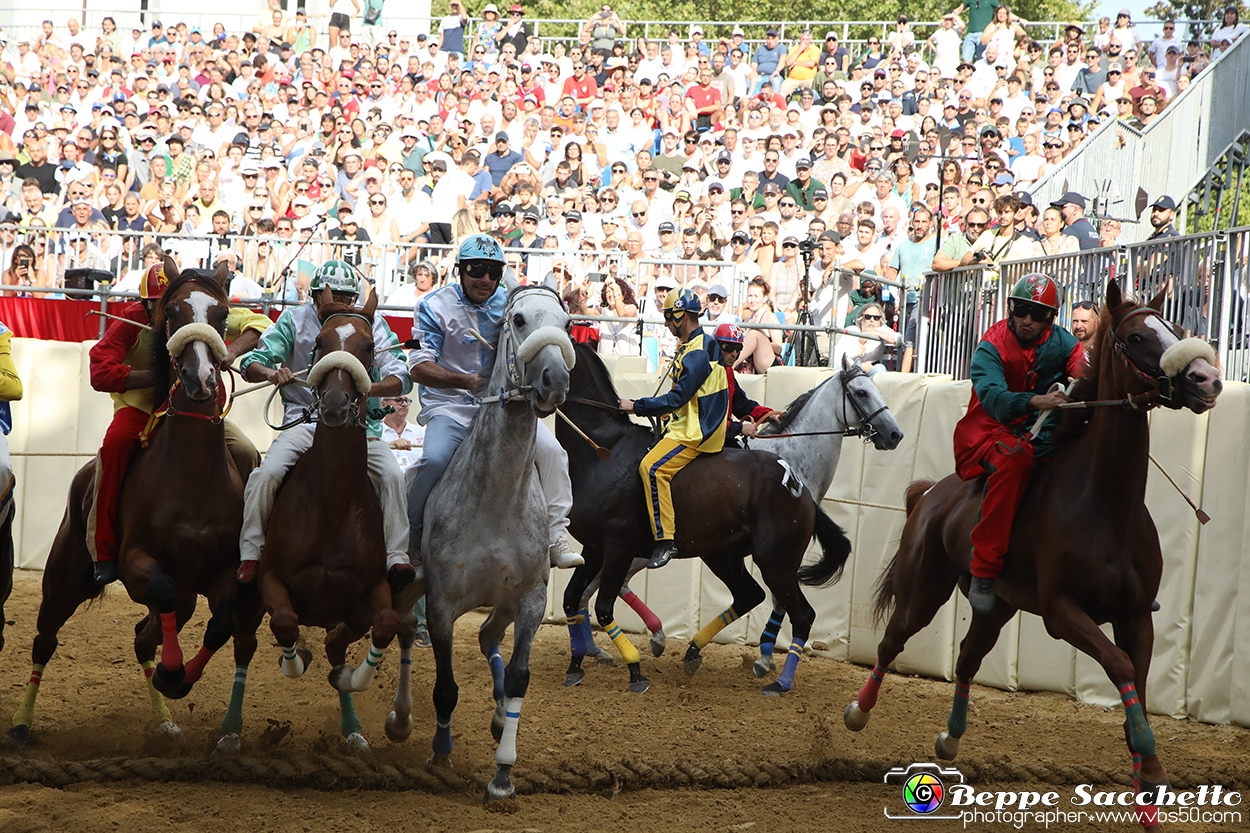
x: 802, y: 343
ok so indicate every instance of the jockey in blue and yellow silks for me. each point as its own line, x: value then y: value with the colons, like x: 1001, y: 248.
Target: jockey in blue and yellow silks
x: 699, y: 404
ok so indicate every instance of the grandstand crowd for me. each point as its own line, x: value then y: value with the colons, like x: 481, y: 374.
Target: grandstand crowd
x: 592, y: 159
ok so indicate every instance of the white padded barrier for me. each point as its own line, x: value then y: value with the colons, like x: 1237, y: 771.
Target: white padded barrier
x: 1200, y: 669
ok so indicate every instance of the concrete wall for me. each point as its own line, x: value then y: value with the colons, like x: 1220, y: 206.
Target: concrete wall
x: 1199, y: 669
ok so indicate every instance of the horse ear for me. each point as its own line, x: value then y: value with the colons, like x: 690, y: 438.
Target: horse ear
x: 171, y: 269
x: 327, y: 297
x: 1156, y: 303
x: 371, y: 300
x: 846, y: 362
x: 1114, y: 298
x: 222, y: 275
x: 509, y: 278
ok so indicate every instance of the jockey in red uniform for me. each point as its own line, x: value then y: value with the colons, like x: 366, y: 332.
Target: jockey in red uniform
x: 1013, y: 369
x: 729, y: 337
x: 120, y: 366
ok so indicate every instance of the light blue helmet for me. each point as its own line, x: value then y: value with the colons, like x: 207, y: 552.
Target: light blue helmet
x: 480, y: 247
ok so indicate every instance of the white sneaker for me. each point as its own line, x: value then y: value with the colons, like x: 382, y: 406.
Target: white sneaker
x: 562, y: 556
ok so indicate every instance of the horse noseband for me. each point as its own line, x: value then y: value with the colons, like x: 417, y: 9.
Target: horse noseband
x: 1162, y: 388
x: 866, y: 431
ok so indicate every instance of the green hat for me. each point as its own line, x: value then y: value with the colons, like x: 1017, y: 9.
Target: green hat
x: 336, y: 275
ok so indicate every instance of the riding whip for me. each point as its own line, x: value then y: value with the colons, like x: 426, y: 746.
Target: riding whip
x: 603, y: 453
x: 256, y: 387
x: 1203, y: 517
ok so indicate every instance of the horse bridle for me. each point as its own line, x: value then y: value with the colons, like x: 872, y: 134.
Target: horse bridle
x: 516, y: 389
x: 866, y: 429
x: 306, y: 415
x: 1162, y: 388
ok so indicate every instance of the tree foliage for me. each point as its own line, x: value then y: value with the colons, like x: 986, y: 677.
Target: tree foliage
x: 1193, y: 10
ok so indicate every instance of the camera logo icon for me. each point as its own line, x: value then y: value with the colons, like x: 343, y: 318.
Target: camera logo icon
x: 923, y: 788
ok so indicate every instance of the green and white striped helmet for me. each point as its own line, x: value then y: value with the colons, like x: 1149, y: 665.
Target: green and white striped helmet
x: 336, y: 275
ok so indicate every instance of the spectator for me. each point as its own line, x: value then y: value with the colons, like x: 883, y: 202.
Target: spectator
x: 1072, y: 206
x: 1085, y: 324
x: 871, y: 354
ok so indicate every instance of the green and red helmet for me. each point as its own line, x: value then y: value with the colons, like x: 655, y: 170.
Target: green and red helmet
x: 1038, y: 289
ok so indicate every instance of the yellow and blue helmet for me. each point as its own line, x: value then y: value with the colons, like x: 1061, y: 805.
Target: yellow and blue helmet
x: 681, y: 302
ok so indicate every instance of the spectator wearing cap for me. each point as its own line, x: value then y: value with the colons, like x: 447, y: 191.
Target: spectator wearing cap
x: 767, y: 60
x: 804, y: 186
x: 1162, y: 216
x: 501, y: 159
x: 717, y: 311
x: 1072, y: 207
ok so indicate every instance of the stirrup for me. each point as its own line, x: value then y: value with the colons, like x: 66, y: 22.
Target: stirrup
x: 105, y: 572
x: 247, y: 571
x: 662, y: 554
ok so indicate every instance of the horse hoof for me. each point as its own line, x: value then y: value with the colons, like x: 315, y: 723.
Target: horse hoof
x: 693, y: 662
x: 574, y: 677
x: 639, y: 686
x: 854, y: 717
x: 171, y: 684
x: 604, y: 658
x: 499, y: 800
x: 356, y: 743
x: 229, y: 744
x: 658, y: 640
x: 169, y: 730
x: 946, y: 747
x: 17, y: 737
x: 763, y: 667
x: 341, y: 678
x: 439, y: 760
x: 398, y: 731
x: 773, y: 689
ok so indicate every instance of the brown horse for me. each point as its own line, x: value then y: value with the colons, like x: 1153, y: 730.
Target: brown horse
x: 323, y: 564
x: 1096, y: 483
x: 181, y: 511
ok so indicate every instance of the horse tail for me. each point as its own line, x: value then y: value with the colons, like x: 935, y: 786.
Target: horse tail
x: 835, y: 550
x: 884, y: 598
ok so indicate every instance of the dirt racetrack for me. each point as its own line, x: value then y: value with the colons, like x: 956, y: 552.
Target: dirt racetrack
x: 702, y: 753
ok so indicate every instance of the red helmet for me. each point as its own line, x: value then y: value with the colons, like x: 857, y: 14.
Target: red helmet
x: 155, y: 282
x: 729, y: 332
x: 1039, y: 289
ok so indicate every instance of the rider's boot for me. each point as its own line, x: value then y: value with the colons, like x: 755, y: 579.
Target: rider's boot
x: 562, y: 555
x: 662, y: 554
x: 105, y: 572
x: 981, y: 594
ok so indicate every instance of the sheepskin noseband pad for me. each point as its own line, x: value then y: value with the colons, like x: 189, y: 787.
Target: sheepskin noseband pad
x: 544, y: 337
x: 188, y: 333
x: 341, y: 360
x: 1178, y: 357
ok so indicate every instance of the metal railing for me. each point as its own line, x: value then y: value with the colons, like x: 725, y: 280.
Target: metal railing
x: 1169, y: 156
x: 1205, y: 278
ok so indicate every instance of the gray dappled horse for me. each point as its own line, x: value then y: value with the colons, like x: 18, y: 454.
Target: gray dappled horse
x: 486, y: 529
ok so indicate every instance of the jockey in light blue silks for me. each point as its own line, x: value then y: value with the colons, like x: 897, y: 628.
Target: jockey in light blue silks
x: 446, y: 366
x: 287, y: 348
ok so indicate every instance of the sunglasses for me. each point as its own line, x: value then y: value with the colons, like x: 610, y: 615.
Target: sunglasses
x: 377, y: 202
x: 729, y: 346
x: 482, y: 269
x: 1022, y: 309
x: 639, y: 213
x: 872, y: 317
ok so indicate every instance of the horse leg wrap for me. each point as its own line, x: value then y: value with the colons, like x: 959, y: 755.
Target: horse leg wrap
x: 649, y: 619
x: 505, y: 754
x: 195, y: 667
x: 792, y: 662
x: 232, y: 723
x: 159, y: 710
x: 362, y: 677
x: 1147, y: 816
x: 496, y: 673
x: 588, y: 637
x: 349, y: 723
x: 868, y: 694
x: 292, y: 663
x: 957, y: 723
x: 1139, y: 733
x: 25, y: 714
x: 171, y: 651
x: 705, y: 634
x: 628, y: 652
x: 577, y: 642
x: 768, y: 639
x: 442, y: 736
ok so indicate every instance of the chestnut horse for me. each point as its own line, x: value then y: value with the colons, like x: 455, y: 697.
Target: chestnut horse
x: 324, y: 562
x: 1096, y: 483
x: 181, y: 511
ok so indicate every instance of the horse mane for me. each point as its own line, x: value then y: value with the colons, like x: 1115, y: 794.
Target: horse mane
x: 161, y: 366
x: 793, y: 410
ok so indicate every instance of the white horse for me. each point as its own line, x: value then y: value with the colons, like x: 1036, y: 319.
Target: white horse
x: 486, y: 530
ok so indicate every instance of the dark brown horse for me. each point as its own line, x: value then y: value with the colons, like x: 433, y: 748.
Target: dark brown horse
x: 1096, y: 484
x: 181, y: 511
x: 324, y: 559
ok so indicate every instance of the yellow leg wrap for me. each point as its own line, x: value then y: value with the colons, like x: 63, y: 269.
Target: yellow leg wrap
x: 704, y: 636
x: 25, y: 714
x: 160, y: 711
x: 628, y: 652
